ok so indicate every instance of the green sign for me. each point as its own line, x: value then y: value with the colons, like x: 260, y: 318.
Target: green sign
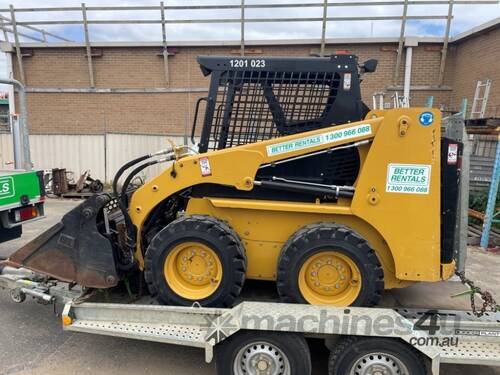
x: 16, y: 184
x: 6, y: 187
x: 319, y: 139
x: 408, y: 178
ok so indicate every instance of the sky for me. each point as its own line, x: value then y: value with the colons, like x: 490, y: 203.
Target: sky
x: 465, y: 17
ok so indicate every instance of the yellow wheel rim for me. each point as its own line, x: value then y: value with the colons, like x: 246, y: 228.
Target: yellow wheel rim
x: 330, y: 278
x: 193, y: 270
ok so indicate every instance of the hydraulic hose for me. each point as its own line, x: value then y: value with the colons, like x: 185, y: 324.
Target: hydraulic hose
x: 127, y: 165
x: 126, y: 183
x: 123, y: 203
x: 123, y: 168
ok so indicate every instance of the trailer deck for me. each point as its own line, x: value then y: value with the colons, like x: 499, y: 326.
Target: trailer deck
x: 477, y: 339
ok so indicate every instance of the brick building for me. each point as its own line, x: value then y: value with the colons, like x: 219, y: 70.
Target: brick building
x: 133, y: 103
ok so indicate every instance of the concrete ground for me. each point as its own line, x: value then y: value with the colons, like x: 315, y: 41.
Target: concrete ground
x: 33, y: 343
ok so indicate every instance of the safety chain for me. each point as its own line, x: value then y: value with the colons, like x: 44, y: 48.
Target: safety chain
x: 488, y: 300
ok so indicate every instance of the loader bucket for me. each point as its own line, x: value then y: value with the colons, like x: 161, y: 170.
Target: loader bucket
x: 73, y: 250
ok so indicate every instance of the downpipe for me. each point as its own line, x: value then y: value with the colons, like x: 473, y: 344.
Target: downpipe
x: 20, y: 134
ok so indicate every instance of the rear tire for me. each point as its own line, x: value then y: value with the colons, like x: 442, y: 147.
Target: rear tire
x: 329, y: 264
x: 355, y: 355
x: 254, y: 352
x: 195, y: 259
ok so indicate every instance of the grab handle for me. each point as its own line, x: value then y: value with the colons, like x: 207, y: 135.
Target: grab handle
x: 197, y: 107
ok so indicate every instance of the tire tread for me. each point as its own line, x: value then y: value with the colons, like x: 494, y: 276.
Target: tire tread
x: 219, y: 229
x: 297, y: 244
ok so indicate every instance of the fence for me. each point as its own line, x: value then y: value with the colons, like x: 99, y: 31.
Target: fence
x: 29, y: 29
x: 102, y: 154
x: 482, y: 159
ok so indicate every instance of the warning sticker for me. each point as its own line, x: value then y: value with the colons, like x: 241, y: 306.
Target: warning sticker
x: 452, y: 153
x: 205, y: 167
x: 408, y: 178
x: 319, y: 139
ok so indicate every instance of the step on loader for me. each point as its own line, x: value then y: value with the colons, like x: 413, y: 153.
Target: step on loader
x: 292, y: 180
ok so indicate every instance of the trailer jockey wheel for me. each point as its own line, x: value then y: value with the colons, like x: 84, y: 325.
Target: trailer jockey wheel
x: 17, y: 295
x: 263, y: 353
x: 375, y: 356
x: 329, y: 264
x: 195, y: 259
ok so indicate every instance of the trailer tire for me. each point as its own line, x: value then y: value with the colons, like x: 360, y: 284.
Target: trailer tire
x: 212, y: 276
x: 392, y: 355
x: 286, y: 353
x: 329, y: 264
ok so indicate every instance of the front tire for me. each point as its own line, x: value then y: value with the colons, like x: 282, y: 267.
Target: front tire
x: 195, y: 259
x: 329, y: 264
x: 255, y: 352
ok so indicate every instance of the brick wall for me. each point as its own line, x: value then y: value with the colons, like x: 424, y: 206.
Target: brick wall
x: 172, y: 112
x: 477, y: 58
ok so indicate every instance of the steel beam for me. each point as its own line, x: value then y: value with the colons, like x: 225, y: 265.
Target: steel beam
x: 41, y: 31
x: 444, y: 51
x: 230, y: 20
x: 323, y: 27
x: 400, y: 42
x: 492, y: 197
x: 254, y: 6
x: 18, y: 46
x: 87, y: 45
x: 164, y: 42
x: 5, y: 34
x: 242, y: 31
x: 6, y: 30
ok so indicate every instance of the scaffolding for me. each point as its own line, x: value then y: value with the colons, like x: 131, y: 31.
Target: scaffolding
x: 29, y: 29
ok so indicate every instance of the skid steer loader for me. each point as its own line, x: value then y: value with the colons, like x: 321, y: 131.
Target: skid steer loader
x: 294, y: 180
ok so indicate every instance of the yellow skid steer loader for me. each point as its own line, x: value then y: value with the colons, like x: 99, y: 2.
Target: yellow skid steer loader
x: 292, y: 180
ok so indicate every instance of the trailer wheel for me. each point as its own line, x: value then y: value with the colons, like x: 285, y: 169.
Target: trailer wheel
x: 257, y: 352
x: 375, y: 355
x: 195, y: 259
x: 17, y: 295
x: 329, y: 264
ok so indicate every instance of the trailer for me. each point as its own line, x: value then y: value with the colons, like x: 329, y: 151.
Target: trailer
x: 270, y: 338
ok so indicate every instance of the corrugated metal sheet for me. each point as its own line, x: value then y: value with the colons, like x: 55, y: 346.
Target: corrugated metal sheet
x: 6, y: 152
x: 77, y: 153
x: 121, y: 148
x: 483, y: 151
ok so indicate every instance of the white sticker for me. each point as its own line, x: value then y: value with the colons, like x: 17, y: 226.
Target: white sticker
x: 452, y: 153
x: 205, y: 167
x: 319, y: 139
x: 408, y: 178
x: 7, y: 189
x: 347, y: 81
